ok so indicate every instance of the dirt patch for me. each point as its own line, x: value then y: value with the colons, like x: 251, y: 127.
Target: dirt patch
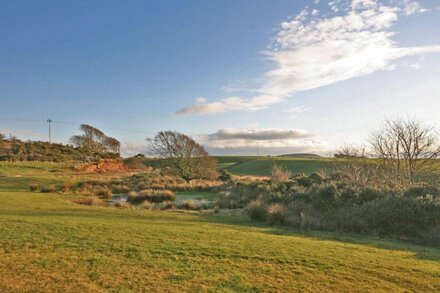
x: 103, y: 166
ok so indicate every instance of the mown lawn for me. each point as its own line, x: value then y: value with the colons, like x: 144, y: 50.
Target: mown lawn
x: 49, y: 244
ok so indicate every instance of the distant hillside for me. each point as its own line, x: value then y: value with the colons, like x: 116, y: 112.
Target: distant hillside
x: 300, y: 155
x: 17, y: 150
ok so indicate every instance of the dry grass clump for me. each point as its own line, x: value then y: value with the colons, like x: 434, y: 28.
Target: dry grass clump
x: 276, y: 213
x: 67, y: 187
x: 257, y: 210
x: 190, y: 204
x: 105, y: 192
x: 280, y: 174
x: 154, y: 196
x: 122, y: 205
x: 49, y: 188
x: 120, y: 189
x: 146, y: 205
x: 90, y: 201
x: 34, y: 187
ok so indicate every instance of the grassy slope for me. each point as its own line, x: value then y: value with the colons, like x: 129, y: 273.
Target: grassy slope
x: 262, y: 166
x: 50, y: 244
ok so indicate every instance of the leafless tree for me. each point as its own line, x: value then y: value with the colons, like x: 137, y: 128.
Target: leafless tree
x: 354, y: 165
x: 408, y: 150
x: 185, y: 155
x: 95, y: 141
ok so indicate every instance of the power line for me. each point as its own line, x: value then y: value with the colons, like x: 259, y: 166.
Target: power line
x: 76, y: 124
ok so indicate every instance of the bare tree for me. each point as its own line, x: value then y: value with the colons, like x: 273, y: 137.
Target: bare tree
x: 408, y: 150
x: 185, y: 155
x: 95, y: 141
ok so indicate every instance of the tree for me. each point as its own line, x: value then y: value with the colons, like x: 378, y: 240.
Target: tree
x: 407, y: 149
x: 184, y: 154
x: 354, y: 166
x: 95, y: 141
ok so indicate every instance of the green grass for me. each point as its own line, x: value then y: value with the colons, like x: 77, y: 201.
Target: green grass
x: 48, y: 243
x: 262, y: 166
x: 186, y: 195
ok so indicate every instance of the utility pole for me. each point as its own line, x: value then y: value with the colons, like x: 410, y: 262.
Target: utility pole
x: 50, y: 135
x: 258, y: 154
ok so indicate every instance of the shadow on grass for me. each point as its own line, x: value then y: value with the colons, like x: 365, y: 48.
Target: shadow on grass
x: 238, y: 217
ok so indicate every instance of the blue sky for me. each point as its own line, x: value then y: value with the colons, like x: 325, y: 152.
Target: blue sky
x: 294, y: 76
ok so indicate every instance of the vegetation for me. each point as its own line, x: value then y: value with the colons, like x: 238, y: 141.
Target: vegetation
x: 95, y: 141
x: 15, y: 150
x: 49, y: 244
x: 184, y: 154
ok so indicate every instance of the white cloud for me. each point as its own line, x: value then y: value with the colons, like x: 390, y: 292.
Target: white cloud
x: 269, y: 140
x: 129, y: 149
x: 413, y: 7
x: 315, y: 12
x: 294, y: 111
x: 311, y: 51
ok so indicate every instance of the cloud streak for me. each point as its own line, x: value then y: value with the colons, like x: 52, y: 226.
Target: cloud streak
x: 316, y: 49
x: 269, y: 140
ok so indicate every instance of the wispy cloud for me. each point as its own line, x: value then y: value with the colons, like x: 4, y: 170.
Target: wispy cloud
x: 316, y: 49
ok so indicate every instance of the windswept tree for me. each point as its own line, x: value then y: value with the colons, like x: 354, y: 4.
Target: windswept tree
x: 184, y: 154
x: 95, y: 141
x: 408, y: 149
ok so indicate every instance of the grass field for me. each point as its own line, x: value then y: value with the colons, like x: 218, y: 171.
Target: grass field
x: 262, y: 166
x: 48, y: 244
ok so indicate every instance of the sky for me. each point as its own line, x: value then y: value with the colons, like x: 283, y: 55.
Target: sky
x: 289, y: 76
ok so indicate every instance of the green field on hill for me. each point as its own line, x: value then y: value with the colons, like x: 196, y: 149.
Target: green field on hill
x: 48, y: 243
x: 262, y: 166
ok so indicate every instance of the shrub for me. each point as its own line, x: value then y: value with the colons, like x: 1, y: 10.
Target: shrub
x: 122, y: 205
x: 147, y: 205
x: 67, y: 186
x: 48, y: 188
x: 34, y: 187
x: 276, y: 213
x: 225, y: 176
x: 90, y: 201
x: 193, y: 204
x: 105, y: 192
x: 120, y: 189
x: 256, y: 210
x: 279, y: 174
x: 154, y: 196
x: 166, y: 205
x: 422, y: 191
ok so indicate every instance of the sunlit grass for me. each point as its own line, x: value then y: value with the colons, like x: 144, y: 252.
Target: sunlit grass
x: 48, y: 243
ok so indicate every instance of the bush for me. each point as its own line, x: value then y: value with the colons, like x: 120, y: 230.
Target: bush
x: 276, y: 213
x: 279, y: 174
x: 105, y: 192
x: 154, y: 196
x: 192, y: 204
x: 34, y: 187
x: 225, y: 176
x: 256, y: 210
x: 48, y: 188
x: 67, y: 187
x: 90, y: 201
x: 422, y: 191
x: 122, y: 205
x: 147, y: 205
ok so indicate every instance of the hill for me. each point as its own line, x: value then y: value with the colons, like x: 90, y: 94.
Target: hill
x: 300, y: 155
x: 17, y: 150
